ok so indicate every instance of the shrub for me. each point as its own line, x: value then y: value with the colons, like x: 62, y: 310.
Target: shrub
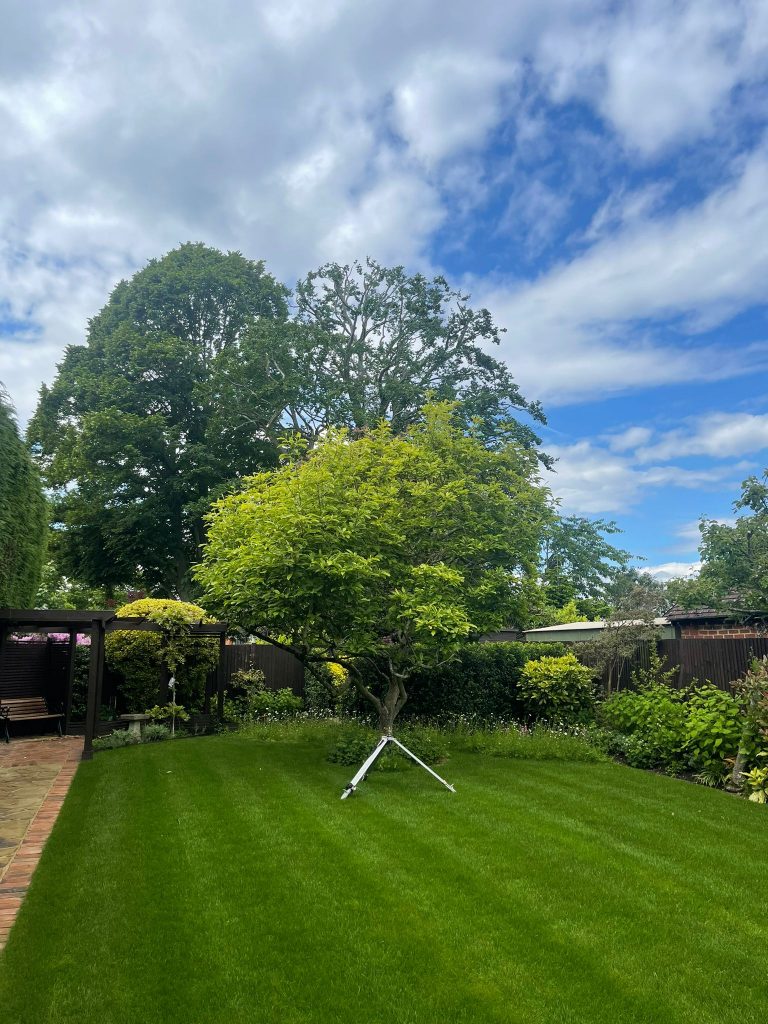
x: 713, y: 728
x: 154, y: 732
x: 481, y: 683
x: 557, y: 690
x: 756, y: 783
x: 140, y: 656
x: 355, y: 742
x: 119, y: 738
x: 248, y: 699
x: 652, y: 722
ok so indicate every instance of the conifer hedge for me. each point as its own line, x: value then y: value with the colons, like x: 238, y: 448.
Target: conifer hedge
x: 23, y: 516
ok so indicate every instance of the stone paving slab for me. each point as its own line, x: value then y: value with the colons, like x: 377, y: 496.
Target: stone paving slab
x: 35, y: 775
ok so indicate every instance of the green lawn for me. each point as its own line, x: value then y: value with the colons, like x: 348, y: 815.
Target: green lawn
x: 222, y: 880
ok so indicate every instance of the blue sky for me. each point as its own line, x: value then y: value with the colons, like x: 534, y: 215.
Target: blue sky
x: 596, y: 173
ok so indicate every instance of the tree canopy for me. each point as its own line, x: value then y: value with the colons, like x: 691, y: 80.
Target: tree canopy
x: 370, y: 342
x: 131, y: 435
x: 382, y: 550
x: 734, y: 557
x: 23, y: 516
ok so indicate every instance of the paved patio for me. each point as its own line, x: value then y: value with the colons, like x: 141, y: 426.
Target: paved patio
x: 35, y: 775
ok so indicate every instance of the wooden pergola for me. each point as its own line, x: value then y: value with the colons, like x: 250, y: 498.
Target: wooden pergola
x: 96, y: 624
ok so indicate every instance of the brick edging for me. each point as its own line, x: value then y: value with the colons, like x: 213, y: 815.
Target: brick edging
x: 14, y: 882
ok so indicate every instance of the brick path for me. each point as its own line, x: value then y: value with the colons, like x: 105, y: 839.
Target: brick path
x: 34, y: 778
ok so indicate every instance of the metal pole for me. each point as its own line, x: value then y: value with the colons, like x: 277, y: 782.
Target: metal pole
x: 368, y: 764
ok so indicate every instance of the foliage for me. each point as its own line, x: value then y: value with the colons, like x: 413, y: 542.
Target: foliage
x: 481, y: 684
x: 388, y: 550
x: 58, y: 591
x: 756, y: 783
x: 132, y: 436
x: 165, y: 712
x: 356, y: 742
x: 373, y: 343
x: 652, y: 724
x: 141, y: 657
x: 248, y: 699
x: 752, y: 693
x: 713, y: 728
x: 23, y: 516
x: 577, y: 561
x: 540, y: 743
x: 631, y: 622
x: 118, y: 738
x: 155, y: 732
x: 557, y: 689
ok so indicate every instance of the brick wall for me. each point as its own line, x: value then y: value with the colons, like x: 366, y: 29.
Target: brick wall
x: 710, y: 631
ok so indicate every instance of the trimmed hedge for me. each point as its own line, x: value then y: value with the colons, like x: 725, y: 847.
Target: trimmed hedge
x: 483, y: 682
x: 23, y: 517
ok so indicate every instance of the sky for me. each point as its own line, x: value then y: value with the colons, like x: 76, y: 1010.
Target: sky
x: 594, y: 173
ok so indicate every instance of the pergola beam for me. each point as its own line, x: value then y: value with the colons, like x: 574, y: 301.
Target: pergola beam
x: 97, y: 624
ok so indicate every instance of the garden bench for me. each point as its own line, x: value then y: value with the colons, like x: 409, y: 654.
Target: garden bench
x: 25, y: 709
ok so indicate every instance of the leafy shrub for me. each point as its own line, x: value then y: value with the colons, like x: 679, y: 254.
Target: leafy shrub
x: 652, y: 722
x: 140, y: 656
x: 323, y: 695
x: 355, y: 742
x: 713, y: 728
x: 165, y: 712
x: 481, y: 683
x: 557, y: 690
x: 756, y: 783
x: 154, y: 732
x: 248, y: 699
x: 118, y: 738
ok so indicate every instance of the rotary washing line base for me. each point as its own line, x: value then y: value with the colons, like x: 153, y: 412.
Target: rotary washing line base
x: 369, y: 762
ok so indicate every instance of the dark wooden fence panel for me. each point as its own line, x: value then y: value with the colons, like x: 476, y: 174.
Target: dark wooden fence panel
x: 281, y: 669
x: 32, y: 669
x: 718, y: 661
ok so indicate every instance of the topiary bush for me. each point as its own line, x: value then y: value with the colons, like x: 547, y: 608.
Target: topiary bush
x: 142, y: 657
x: 557, y: 690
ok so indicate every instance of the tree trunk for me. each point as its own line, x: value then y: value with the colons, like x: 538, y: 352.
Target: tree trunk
x: 390, y: 707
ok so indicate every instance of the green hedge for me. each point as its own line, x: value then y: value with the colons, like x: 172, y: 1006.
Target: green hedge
x: 23, y: 517
x: 482, y: 682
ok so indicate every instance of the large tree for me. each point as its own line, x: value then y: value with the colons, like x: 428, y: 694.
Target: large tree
x: 382, y: 552
x: 23, y: 516
x: 370, y: 342
x: 133, y: 435
x: 734, y: 557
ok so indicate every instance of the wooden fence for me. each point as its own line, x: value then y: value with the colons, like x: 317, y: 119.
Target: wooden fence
x: 718, y: 661
x: 281, y: 669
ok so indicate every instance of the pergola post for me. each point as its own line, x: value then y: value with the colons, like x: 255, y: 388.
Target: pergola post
x: 220, y: 677
x: 71, y: 658
x: 95, y: 679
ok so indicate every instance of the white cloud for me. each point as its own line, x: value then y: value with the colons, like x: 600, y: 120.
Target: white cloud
x: 672, y: 570
x: 661, y: 71
x: 719, y: 435
x: 300, y: 132
x: 629, y: 439
x: 449, y: 102
x: 592, y: 480
x: 573, y: 333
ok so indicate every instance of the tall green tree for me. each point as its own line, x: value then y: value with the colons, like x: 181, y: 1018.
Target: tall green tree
x: 23, y: 516
x: 133, y: 435
x: 383, y: 553
x: 370, y: 342
x: 734, y: 557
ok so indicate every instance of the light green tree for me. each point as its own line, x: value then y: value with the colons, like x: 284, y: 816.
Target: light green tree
x: 384, y: 553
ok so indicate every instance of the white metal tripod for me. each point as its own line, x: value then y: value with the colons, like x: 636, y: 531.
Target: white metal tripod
x: 369, y: 762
